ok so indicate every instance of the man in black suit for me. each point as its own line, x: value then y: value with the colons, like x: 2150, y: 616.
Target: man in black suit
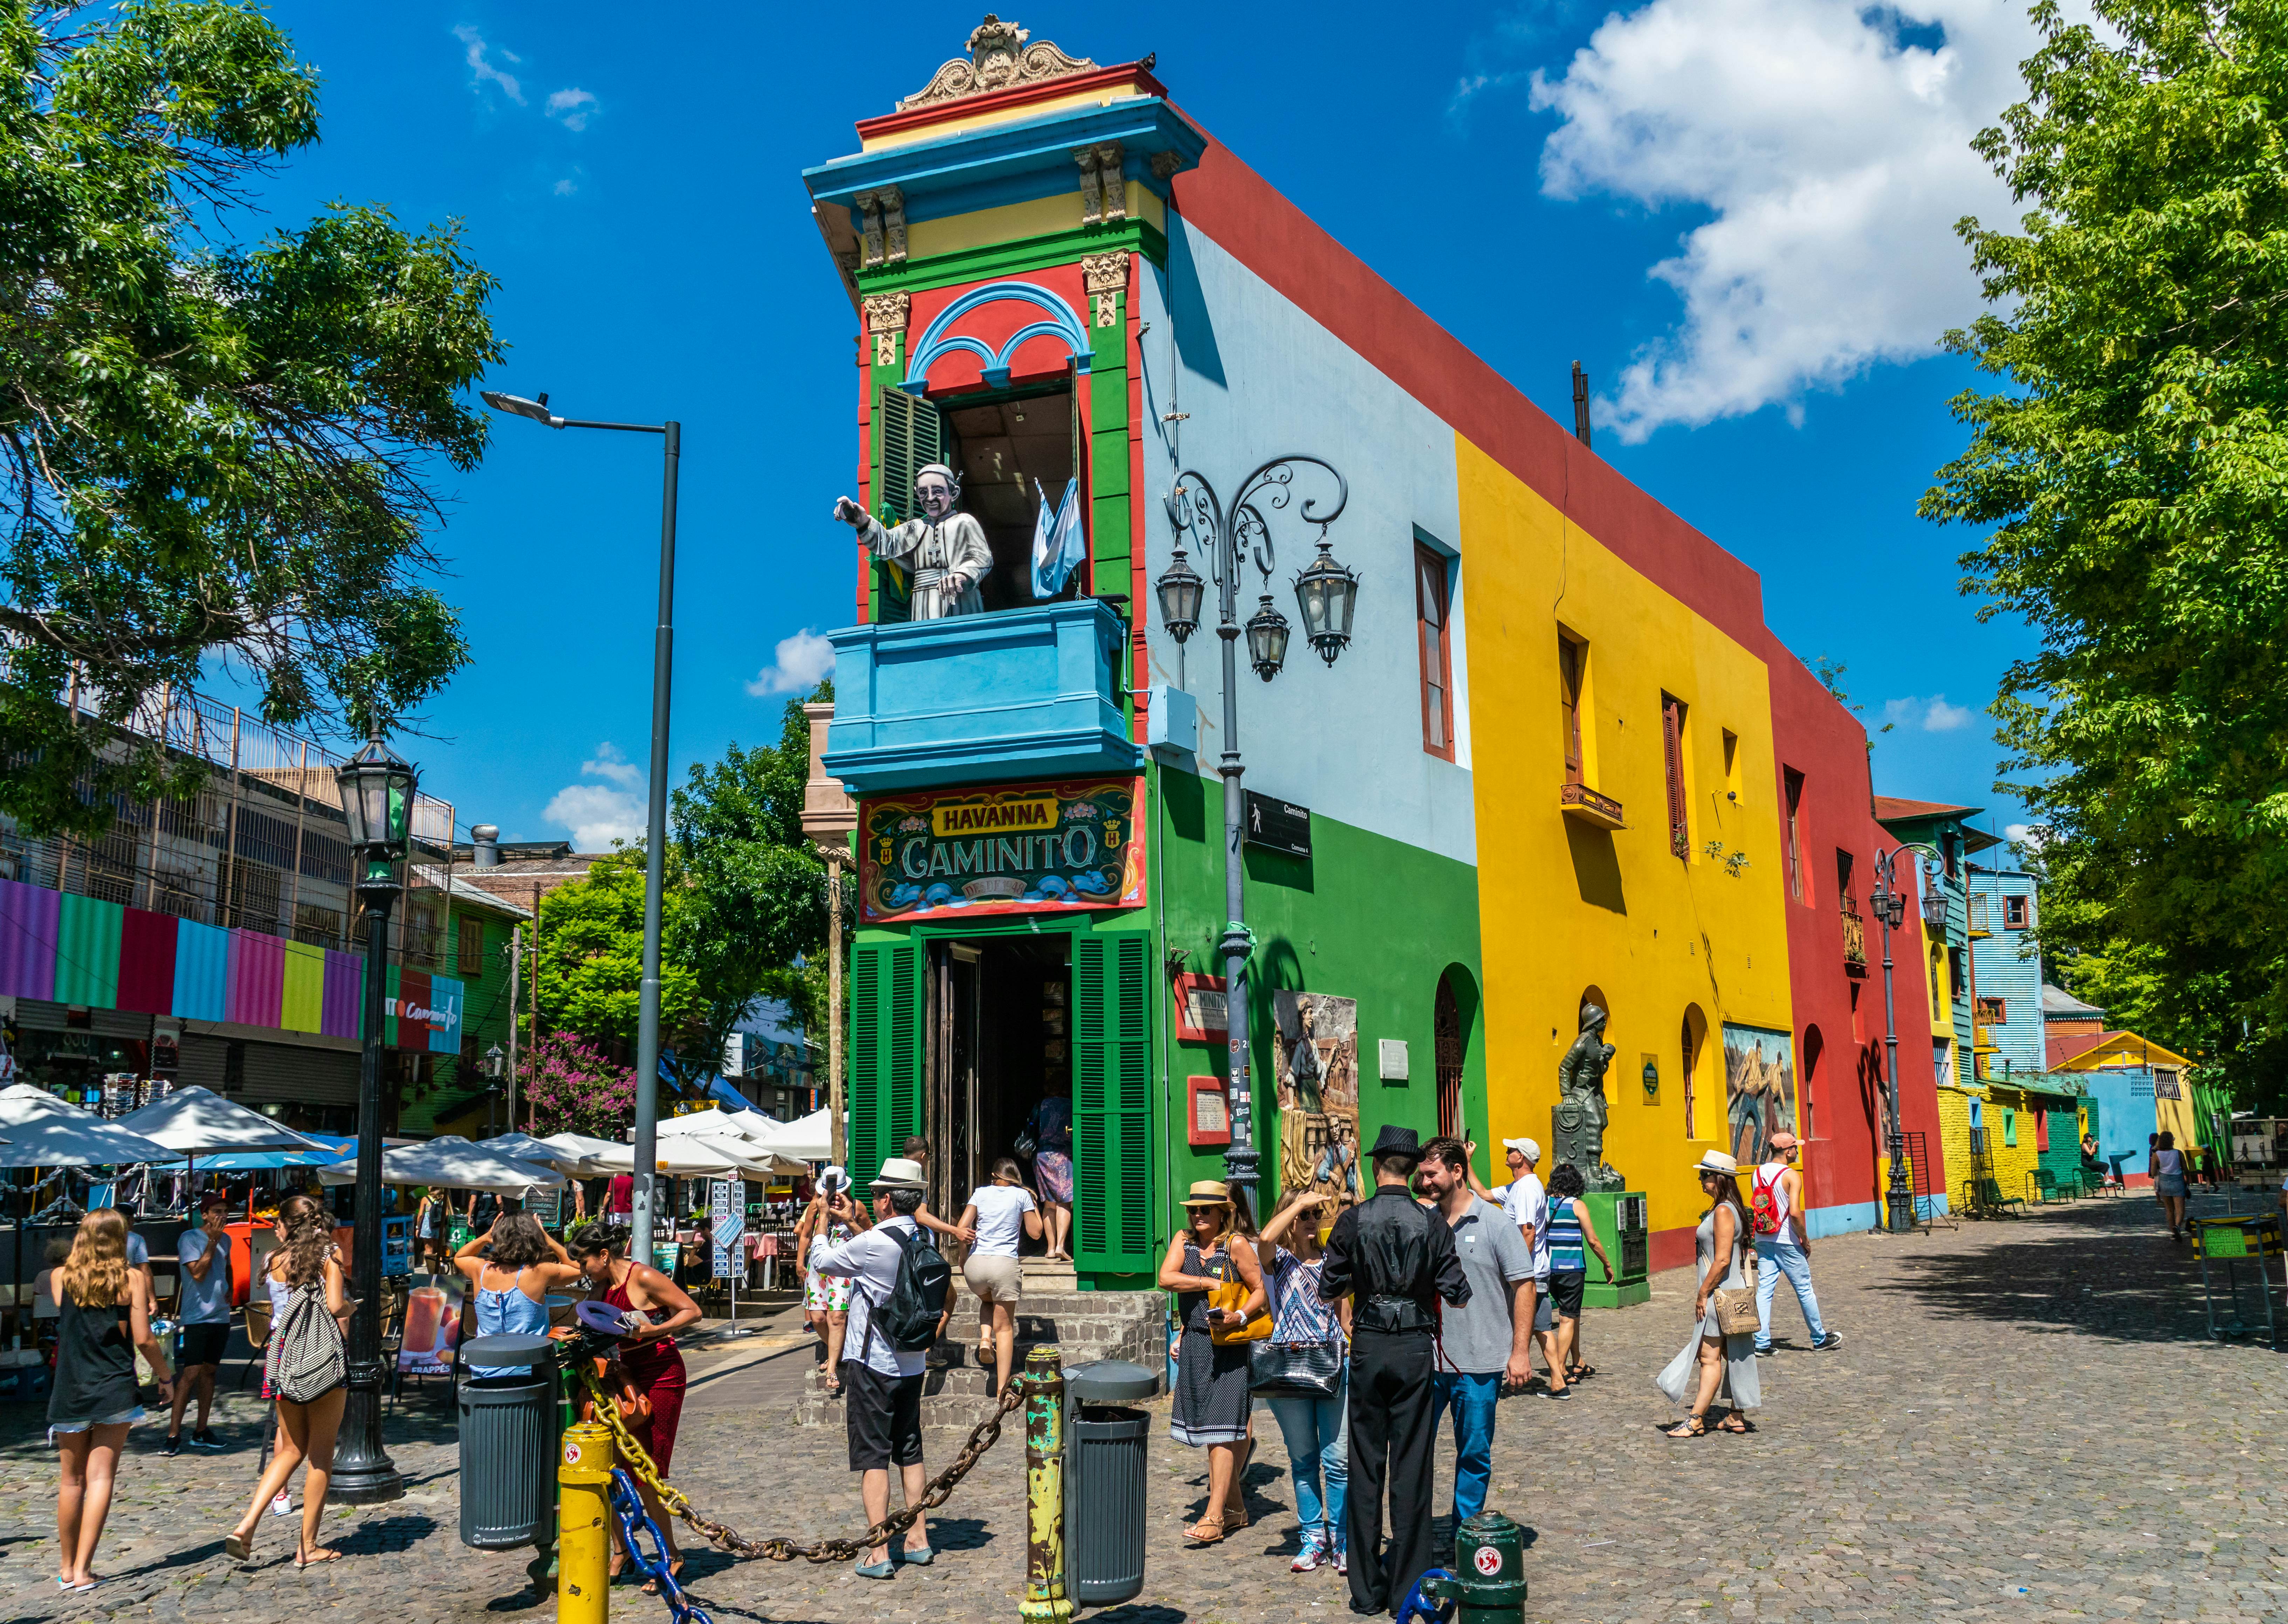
x: 1397, y: 1259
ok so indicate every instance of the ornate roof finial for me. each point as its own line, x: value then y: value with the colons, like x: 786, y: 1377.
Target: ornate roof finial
x: 999, y: 59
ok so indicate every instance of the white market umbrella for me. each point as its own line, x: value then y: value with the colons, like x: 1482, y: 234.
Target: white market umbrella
x: 451, y: 1162
x: 679, y: 1156
x: 41, y: 1131
x: 714, y: 1123
x: 754, y: 1162
x: 581, y: 1149
x: 195, y: 1121
x: 757, y: 1124
x: 804, y: 1139
x: 524, y: 1148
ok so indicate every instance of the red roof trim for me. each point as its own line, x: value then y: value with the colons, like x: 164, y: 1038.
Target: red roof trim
x: 1249, y: 219
x: 1019, y: 96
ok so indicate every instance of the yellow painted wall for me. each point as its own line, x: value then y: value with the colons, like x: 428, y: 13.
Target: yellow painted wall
x: 1562, y: 906
x: 1039, y: 216
x: 2012, y: 1162
x: 1954, y: 1134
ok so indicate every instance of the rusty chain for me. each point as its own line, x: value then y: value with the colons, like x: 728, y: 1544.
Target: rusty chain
x: 724, y: 1537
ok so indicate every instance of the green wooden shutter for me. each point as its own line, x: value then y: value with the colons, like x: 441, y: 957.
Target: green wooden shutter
x: 1112, y: 1104
x: 886, y: 1061
x: 913, y: 437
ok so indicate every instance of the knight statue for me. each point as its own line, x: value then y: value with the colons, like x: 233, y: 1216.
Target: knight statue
x: 944, y: 551
x: 1578, y: 1120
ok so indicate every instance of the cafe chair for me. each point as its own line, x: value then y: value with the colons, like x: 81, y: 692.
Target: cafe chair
x: 257, y: 1337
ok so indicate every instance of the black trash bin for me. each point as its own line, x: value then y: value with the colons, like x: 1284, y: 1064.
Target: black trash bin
x: 1105, y: 1443
x: 508, y: 1442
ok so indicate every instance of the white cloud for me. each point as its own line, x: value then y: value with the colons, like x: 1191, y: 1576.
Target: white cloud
x: 481, y: 71
x: 804, y: 659
x: 599, y: 813
x: 1930, y: 716
x: 571, y: 107
x: 567, y: 185
x: 1832, y: 151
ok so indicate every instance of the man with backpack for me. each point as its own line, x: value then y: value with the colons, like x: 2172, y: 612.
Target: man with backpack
x: 899, y: 1285
x: 1782, y: 1243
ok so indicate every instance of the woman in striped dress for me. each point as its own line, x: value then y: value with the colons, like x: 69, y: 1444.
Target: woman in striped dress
x: 1571, y: 1238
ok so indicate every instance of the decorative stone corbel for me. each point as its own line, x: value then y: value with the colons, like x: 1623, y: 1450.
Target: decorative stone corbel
x: 1106, y: 279
x: 885, y: 319
x: 1163, y: 166
x: 1103, y: 192
x: 882, y: 216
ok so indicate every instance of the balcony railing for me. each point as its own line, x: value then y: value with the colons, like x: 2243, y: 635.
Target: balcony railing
x: 1578, y: 801
x: 1854, y: 943
x: 978, y: 699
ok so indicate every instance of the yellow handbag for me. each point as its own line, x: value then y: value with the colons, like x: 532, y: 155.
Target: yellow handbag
x: 1231, y: 1296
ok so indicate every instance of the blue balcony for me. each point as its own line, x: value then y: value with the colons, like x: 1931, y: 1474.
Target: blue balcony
x: 978, y: 699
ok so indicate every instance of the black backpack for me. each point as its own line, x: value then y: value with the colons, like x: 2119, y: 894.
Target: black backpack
x: 908, y: 1318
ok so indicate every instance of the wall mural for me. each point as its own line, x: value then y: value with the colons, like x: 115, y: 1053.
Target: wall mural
x: 1759, y: 1093
x: 1315, y: 1048
x: 1035, y: 848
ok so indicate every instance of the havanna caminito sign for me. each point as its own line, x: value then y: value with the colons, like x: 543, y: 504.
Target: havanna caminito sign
x: 1024, y: 849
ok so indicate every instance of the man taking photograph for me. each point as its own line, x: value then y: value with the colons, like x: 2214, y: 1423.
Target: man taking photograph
x: 205, y: 1322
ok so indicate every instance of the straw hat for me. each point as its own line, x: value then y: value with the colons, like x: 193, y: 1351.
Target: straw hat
x: 899, y: 1173
x: 1717, y: 1162
x: 1208, y: 1192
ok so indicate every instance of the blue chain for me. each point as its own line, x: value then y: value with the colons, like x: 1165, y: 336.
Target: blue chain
x: 629, y: 1509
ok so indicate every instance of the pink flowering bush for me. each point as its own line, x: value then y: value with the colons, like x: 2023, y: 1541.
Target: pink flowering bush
x: 572, y: 1086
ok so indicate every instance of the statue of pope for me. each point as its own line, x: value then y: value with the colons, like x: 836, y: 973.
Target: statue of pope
x: 945, y: 551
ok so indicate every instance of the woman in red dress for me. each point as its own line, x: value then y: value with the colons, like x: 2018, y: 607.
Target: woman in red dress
x: 659, y: 1308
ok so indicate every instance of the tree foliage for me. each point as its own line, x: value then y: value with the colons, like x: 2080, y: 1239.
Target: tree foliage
x: 207, y: 446
x: 745, y: 898
x: 2133, y: 474
x: 573, y: 1087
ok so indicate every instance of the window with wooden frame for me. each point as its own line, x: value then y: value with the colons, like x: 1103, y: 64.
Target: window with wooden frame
x: 1430, y: 605
x: 471, y: 961
x: 1572, y: 669
x: 1680, y: 804
x: 1796, y: 878
x: 2015, y: 912
x: 1993, y: 1011
x: 1847, y: 894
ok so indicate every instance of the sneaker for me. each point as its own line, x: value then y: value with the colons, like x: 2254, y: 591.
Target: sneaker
x: 1309, y: 1559
x: 282, y: 1505
x: 1763, y: 1353
x: 173, y: 1446
x: 1833, y: 1339
x: 204, y: 1438
x: 1342, y: 1562
x: 1560, y: 1392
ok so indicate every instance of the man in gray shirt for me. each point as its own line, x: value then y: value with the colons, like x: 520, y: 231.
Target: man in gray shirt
x: 1484, y: 1343
x: 204, y: 1252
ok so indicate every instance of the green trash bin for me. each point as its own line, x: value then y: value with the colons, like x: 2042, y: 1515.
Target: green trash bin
x: 509, y: 1431
x: 1106, y: 1442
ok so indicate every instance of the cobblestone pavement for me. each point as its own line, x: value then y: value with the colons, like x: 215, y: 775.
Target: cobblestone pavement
x: 2026, y: 1423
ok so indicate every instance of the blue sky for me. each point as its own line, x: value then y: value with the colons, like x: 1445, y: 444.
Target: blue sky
x: 1735, y: 213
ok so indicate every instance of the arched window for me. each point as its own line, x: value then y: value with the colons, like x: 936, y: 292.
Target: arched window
x: 1693, y: 1040
x: 1446, y: 1031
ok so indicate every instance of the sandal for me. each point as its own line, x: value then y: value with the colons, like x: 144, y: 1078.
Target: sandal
x: 1235, y: 1519
x: 237, y: 1546
x: 1580, y: 1373
x: 674, y: 1572
x: 324, y: 1553
x: 1692, y: 1426
x: 1207, y: 1531
x: 1737, y: 1423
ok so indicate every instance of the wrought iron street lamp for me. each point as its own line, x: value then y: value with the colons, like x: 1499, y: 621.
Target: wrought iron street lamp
x: 495, y: 1068
x: 377, y: 789
x: 1890, y: 906
x: 662, y: 669
x: 1228, y: 538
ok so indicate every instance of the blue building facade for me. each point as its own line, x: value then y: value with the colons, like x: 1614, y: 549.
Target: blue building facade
x: 2006, y: 969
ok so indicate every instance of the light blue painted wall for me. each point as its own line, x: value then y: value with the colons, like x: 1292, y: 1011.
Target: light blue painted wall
x: 2125, y: 1114
x: 2010, y: 968
x: 1258, y: 378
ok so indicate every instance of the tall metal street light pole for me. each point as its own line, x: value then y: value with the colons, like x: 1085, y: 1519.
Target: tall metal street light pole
x: 663, y: 664
x: 1890, y: 906
x: 376, y: 791
x: 1326, y: 593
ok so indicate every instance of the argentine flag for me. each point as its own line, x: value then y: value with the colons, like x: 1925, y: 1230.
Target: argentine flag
x: 1058, y: 546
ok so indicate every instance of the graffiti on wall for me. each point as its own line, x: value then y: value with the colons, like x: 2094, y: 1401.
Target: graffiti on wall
x: 1760, y: 1090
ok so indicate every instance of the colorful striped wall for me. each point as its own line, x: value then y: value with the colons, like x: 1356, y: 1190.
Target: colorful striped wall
x: 80, y: 950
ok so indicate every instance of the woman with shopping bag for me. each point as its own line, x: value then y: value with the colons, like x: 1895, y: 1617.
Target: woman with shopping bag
x: 1718, y: 1366
x: 1211, y: 1268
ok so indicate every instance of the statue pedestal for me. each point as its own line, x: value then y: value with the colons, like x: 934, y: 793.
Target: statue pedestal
x: 1618, y: 1217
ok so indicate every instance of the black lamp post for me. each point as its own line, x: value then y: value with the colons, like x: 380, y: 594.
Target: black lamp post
x: 378, y: 802
x: 1326, y: 593
x: 1890, y: 906
x: 495, y: 1063
x: 663, y: 670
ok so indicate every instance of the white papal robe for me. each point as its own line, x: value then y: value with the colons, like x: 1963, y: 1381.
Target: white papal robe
x: 930, y: 552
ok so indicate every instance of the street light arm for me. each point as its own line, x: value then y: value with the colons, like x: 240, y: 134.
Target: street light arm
x: 624, y: 428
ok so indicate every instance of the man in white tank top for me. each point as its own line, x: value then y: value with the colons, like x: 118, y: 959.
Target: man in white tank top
x: 1776, y: 1206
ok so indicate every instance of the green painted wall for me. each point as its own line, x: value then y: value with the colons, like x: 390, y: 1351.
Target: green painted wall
x: 1367, y: 917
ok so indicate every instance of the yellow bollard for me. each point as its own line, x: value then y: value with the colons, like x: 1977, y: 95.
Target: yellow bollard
x: 583, y: 1555
x: 1046, y: 1600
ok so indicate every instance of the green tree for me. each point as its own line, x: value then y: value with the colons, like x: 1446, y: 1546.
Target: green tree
x: 2131, y: 477
x: 208, y: 448
x: 756, y: 895
x: 745, y: 898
